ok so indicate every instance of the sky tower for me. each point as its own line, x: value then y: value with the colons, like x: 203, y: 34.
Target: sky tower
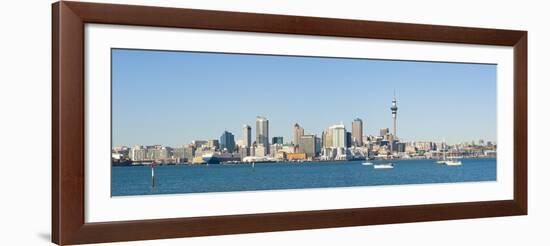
x: 394, y: 115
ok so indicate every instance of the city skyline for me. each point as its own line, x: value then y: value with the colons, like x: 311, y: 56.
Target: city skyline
x: 198, y: 111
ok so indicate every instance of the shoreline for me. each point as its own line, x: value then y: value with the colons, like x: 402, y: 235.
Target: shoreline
x: 298, y: 162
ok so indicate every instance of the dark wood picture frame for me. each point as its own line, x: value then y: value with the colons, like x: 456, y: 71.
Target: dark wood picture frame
x: 68, y: 224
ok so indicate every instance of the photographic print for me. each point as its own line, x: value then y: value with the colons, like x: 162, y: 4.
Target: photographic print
x: 195, y: 122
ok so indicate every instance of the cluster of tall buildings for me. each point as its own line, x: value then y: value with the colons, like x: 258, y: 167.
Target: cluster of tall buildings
x: 334, y: 143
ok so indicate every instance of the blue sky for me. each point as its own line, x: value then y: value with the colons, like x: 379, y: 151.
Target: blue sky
x: 172, y: 98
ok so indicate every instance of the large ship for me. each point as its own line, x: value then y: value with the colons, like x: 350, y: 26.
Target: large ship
x: 217, y: 158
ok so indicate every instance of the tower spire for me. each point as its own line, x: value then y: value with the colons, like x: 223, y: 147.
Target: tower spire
x: 394, y: 114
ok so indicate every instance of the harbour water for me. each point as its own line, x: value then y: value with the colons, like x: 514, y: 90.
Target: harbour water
x: 136, y: 180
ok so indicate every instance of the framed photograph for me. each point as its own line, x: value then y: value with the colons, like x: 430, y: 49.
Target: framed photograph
x: 174, y: 122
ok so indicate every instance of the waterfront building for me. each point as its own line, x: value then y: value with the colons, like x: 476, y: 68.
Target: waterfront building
x: 338, y: 133
x: 289, y: 148
x: 177, y: 152
x: 410, y: 149
x: 159, y: 153
x: 298, y: 133
x: 401, y: 147
x: 280, y: 155
x: 328, y: 154
x: 120, y: 152
x: 262, y: 132
x: 317, y: 146
x: 383, y: 151
x: 243, y: 151
x: 384, y: 132
x: 277, y: 140
x: 239, y: 143
x: 307, y: 145
x: 188, y: 152
x: 199, y: 143
x: 296, y: 156
x: 342, y: 154
x: 227, y: 142
x: 367, y: 139
x: 260, y: 151
x: 120, y: 149
x: 357, y: 132
x: 360, y: 152
x: 326, y: 138
x: 424, y: 145
x: 137, y: 153
x: 349, y: 139
x: 213, y: 144
x: 274, y: 149
x: 247, y: 136
x: 391, y: 142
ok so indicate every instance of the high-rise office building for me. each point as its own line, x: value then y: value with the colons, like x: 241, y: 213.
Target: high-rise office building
x: 349, y: 140
x: 262, y: 132
x: 227, y: 142
x: 357, y: 132
x: 277, y: 140
x: 307, y: 145
x: 247, y: 136
x: 298, y: 133
x: 317, y: 146
x: 338, y: 133
x: 326, y: 138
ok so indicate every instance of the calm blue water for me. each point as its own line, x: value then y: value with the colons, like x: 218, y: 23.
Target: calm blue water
x: 273, y: 176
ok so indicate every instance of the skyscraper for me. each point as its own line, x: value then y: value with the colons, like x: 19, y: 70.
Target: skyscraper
x: 326, y: 138
x: 357, y: 132
x: 298, y: 133
x: 317, y: 146
x: 307, y: 145
x: 247, y: 136
x: 349, y: 140
x: 262, y: 132
x: 338, y: 133
x: 394, y: 115
x: 227, y: 141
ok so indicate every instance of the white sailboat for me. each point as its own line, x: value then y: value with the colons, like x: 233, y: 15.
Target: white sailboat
x: 444, y: 160
x: 453, y: 161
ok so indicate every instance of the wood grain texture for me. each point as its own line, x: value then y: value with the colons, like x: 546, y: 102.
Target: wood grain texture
x: 68, y: 122
x: 68, y: 19
x: 520, y: 122
x: 251, y: 22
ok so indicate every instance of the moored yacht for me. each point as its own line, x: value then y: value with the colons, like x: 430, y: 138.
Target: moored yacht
x: 383, y: 166
x: 453, y: 161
